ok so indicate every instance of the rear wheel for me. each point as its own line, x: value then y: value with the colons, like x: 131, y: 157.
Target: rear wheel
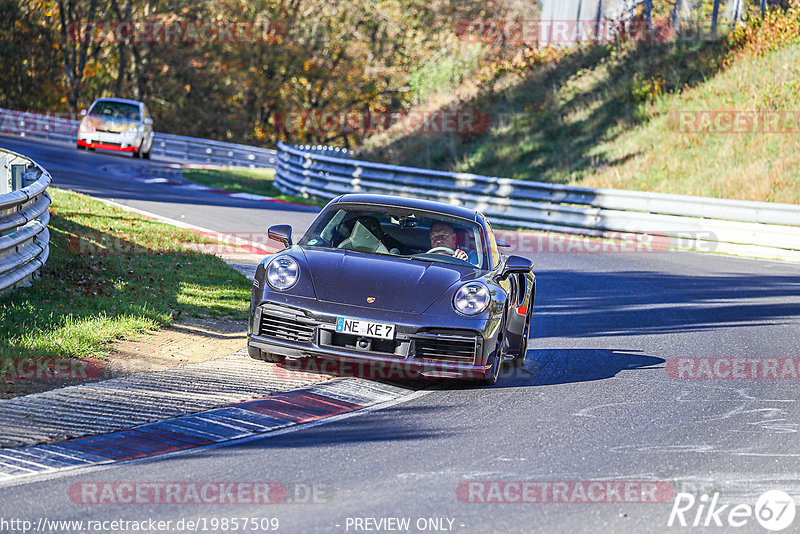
x: 519, y: 358
x: 146, y: 155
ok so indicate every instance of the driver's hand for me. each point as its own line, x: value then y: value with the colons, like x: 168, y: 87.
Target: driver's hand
x: 461, y: 255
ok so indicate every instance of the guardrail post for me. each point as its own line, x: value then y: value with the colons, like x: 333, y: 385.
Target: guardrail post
x: 5, y: 176
x: 16, y: 177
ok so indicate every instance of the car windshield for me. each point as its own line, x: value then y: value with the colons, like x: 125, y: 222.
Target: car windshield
x: 115, y: 110
x: 402, y: 232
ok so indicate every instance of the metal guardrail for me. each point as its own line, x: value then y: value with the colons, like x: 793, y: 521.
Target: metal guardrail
x: 324, y: 150
x: 758, y: 229
x: 187, y: 149
x: 24, y: 214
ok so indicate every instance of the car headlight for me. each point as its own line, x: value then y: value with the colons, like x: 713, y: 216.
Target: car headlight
x: 85, y: 127
x: 471, y: 298
x: 282, y: 273
x: 132, y: 129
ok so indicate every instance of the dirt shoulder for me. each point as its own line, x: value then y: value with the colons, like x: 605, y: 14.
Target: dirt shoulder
x: 182, y: 343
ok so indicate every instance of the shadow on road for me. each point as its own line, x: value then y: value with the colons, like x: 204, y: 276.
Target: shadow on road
x: 563, y: 366
x: 580, y: 304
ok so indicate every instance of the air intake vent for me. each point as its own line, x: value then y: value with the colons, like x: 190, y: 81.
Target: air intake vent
x: 284, y: 327
x: 446, y: 349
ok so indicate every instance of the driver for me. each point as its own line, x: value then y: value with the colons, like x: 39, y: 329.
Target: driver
x: 443, y: 235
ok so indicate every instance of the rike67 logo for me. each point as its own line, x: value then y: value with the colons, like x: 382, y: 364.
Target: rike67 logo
x: 774, y: 510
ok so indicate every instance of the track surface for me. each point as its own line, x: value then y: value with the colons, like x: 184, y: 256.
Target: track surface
x: 594, y: 402
x: 121, y: 178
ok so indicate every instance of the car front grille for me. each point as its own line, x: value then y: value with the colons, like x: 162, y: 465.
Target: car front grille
x: 382, y: 347
x: 446, y: 349
x: 285, y: 327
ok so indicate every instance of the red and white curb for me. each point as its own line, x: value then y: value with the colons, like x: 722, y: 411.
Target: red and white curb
x: 244, y: 420
x: 124, y: 402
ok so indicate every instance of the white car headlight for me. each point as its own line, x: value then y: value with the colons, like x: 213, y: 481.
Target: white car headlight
x: 282, y: 273
x: 471, y: 298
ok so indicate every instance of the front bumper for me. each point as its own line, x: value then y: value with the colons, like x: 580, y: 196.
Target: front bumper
x: 109, y: 141
x: 434, y: 348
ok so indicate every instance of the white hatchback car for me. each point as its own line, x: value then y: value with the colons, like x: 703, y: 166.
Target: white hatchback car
x: 117, y: 124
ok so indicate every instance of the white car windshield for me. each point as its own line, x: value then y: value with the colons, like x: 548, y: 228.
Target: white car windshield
x: 115, y: 110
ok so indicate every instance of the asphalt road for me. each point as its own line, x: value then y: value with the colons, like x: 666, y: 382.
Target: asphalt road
x: 121, y: 178
x: 594, y: 402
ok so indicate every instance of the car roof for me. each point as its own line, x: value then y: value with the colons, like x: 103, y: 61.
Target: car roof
x: 120, y: 100
x: 413, y: 203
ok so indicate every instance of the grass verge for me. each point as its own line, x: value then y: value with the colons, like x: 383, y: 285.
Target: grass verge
x: 610, y: 115
x: 259, y: 181
x: 112, y: 274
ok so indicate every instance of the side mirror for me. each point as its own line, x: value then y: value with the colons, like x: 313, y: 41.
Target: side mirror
x: 516, y: 265
x: 148, y: 121
x: 83, y: 113
x: 282, y: 233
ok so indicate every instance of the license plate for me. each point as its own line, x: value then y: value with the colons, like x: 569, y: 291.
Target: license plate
x: 357, y: 327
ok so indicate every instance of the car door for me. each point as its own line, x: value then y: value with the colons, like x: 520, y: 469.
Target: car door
x: 515, y: 287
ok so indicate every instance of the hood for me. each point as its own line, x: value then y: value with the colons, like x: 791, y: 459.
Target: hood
x: 116, y: 125
x: 396, y: 284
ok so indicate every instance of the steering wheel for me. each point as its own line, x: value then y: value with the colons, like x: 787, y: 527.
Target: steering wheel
x: 436, y: 250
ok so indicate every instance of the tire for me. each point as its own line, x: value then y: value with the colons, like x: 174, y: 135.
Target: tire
x: 146, y: 155
x: 137, y: 154
x: 81, y: 147
x: 519, y: 358
x: 497, y: 363
x: 272, y: 358
x: 258, y: 354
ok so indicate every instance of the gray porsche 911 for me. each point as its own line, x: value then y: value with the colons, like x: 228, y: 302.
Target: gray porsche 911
x: 386, y: 281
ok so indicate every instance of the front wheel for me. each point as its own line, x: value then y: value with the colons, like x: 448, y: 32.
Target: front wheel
x: 258, y: 354
x: 497, y: 363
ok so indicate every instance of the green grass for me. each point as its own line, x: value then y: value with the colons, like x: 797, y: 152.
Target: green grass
x: 258, y: 181
x: 600, y: 117
x: 112, y: 274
